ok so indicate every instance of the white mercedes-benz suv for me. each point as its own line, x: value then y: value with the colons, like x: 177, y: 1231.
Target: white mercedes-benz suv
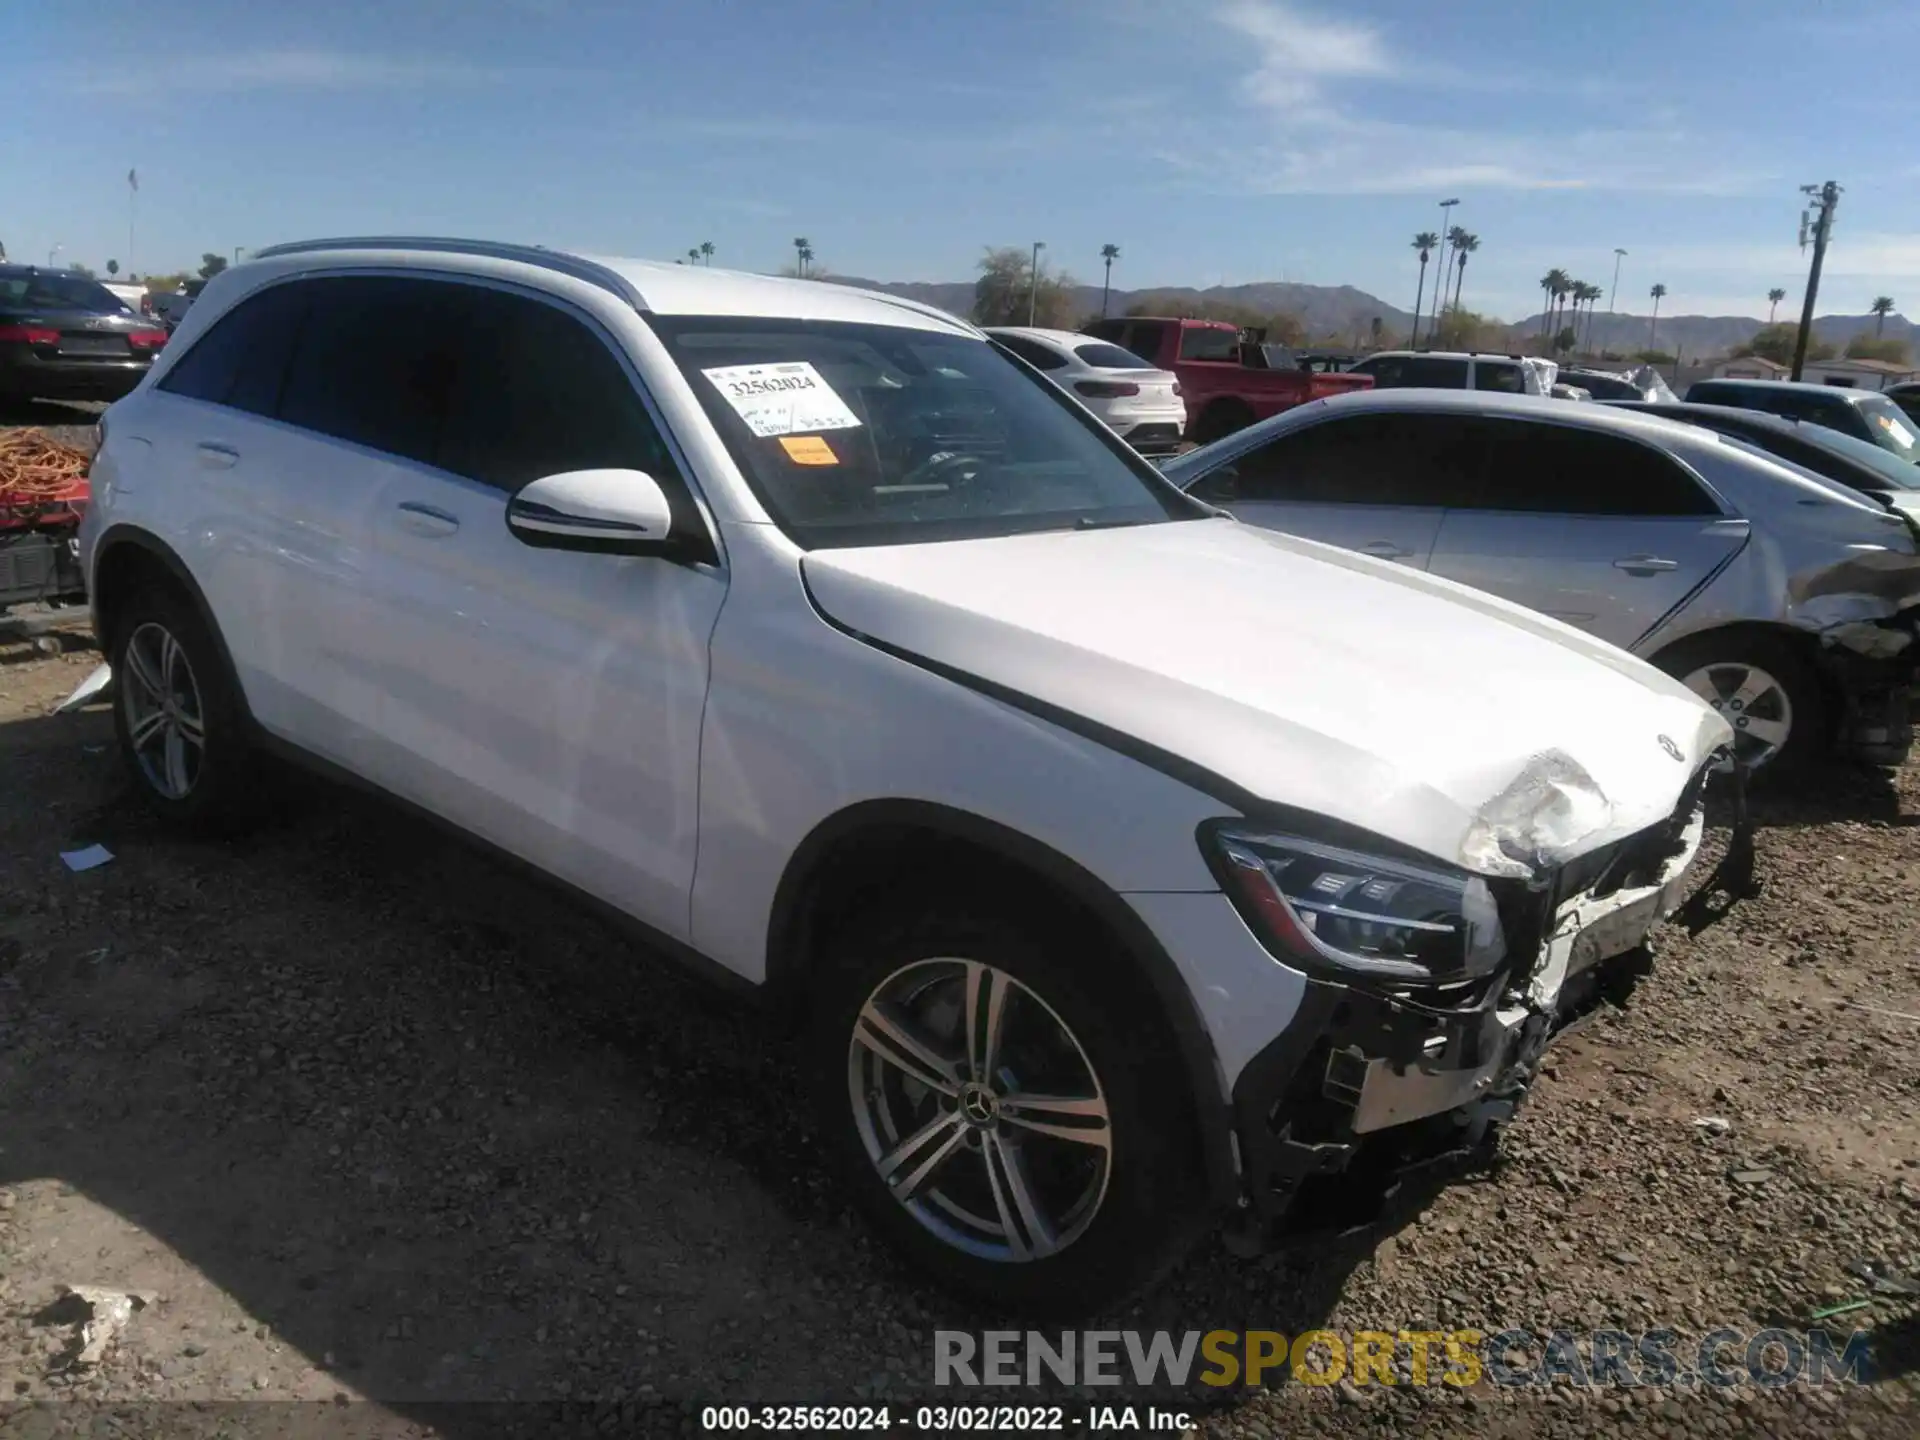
x: 1125, y: 865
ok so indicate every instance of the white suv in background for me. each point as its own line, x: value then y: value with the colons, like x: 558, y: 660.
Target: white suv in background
x: 1458, y: 370
x: 846, y: 659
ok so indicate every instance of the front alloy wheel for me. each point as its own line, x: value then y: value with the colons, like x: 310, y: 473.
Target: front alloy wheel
x: 1753, y: 702
x: 165, y: 716
x: 979, y: 1110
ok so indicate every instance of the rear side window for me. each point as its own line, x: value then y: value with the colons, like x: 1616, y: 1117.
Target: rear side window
x: 376, y: 361
x: 1205, y: 343
x: 1041, y: 357
x: 1140, y: 338
x: 242, y: 358
x: 1562, y: 470
x: 1419, y: 460
x: 1399, y: 372
x: 1499, y: 376
x: 1111, y: 357
x: 541, y: 394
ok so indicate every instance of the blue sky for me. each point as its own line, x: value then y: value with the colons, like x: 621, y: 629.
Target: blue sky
x: 1214, y: 141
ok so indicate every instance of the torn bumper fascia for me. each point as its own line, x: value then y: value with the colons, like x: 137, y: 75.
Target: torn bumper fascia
x: 1869, y: 655
x: 1379, y: 1083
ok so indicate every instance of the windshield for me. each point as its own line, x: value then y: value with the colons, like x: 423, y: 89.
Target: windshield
x: 1891, y: 427
x: 881, y: 435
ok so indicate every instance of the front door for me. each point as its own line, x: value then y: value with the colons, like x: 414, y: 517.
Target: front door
x: 549, y: 701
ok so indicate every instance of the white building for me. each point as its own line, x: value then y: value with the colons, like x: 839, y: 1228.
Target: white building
x: 1749, y: 367
x: 1858, y: 374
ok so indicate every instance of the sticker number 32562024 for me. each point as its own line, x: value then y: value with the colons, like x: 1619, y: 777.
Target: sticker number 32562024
x: 784, y: 399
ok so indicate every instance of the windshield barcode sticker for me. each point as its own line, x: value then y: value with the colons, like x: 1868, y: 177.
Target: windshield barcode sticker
x: 784, y: 399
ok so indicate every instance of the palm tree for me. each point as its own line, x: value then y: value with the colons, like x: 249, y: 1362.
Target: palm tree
x: 806, y: 258
x: 706, y: 250
x: 1109, y: 254
x: 803, y: 251
x: 1425, y: 242
x: 1653, y: 328
x: 1882, y: 307
x: 1546, y: 301
x: 1556, y: 283
x: 1774, y: 297
x: 1464, y: 244
x: 1594, y: 292
x: 693, y: 254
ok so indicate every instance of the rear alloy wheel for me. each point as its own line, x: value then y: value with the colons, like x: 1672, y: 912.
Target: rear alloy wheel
x: 165, y: 715
x: 979, y: 1110
x: 178, y: 714
x: 1006, y: 1104
x: 1753, y: 702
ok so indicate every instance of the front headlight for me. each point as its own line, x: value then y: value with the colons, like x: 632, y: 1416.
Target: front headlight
x: 1365, y: 915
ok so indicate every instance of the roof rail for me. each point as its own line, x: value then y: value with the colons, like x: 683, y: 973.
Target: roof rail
x: 558, y: 260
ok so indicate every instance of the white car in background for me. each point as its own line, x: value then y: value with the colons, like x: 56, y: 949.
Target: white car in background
x: 1139, y: 403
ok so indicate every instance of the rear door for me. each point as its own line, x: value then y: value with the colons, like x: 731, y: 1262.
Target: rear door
x: 1596, y: 529
x: 1375, y: 483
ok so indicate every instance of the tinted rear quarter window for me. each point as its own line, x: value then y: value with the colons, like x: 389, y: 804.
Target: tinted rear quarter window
x: 1567, y: 470
x: 376, y: 361
x: 1499, y: 375
x: 241, y: 359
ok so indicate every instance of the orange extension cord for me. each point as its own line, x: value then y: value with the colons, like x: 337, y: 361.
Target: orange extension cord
x: 37, y: 469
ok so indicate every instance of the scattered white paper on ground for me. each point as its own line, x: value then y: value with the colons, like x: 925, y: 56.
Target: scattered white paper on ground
x: 91, y: 858
x: 785, y: 399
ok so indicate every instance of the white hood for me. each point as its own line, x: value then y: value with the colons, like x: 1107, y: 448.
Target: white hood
x: 1304, y: 675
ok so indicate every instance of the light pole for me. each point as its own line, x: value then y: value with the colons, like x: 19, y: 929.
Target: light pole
x: 1446, y: 210
x: 236, y: 253
x: 1826, y: 197
x: 1618, y: 256
x: 53, y: 252
x: 1033, y: 282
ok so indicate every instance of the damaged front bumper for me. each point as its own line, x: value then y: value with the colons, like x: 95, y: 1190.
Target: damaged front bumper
x: 1873, y: 667
x: 1367, y: 1085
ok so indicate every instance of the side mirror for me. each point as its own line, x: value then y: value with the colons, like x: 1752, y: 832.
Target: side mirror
x: 604, y: 512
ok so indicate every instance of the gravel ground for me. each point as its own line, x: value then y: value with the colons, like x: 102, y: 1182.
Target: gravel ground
x: 365, y: 1117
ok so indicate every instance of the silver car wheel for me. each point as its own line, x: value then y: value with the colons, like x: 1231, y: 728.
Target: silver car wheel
x: 1753, y: 702
x: 166, y: 719
x: 979, y: 1109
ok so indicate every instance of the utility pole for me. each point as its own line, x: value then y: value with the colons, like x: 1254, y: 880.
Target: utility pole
x: 1033, y: 282
x: 1825, y: 197
x: 1446, y: 210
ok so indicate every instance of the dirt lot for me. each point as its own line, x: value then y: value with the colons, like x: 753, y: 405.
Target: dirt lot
x: 365, y: 1117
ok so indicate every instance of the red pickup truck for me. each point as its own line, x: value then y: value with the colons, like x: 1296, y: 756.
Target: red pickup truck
x: 1229, y: 379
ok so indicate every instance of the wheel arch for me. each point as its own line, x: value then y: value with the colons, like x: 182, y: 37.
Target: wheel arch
x: 124, y: 558
x: 858, y: 850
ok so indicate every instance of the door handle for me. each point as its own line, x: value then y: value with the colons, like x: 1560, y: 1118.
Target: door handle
x: 214, y: 456
x: 426, y: 520
x: 1384, y: 550
x: 1645, y: 564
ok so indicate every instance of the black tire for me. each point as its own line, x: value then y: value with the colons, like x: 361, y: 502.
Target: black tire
x: 224, y: 790
x: 1154, y: 1204
x: 1219, y: 420
x: 1810, y: 732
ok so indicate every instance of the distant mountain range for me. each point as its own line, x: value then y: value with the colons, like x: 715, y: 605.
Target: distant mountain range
x: 1341, y: 310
